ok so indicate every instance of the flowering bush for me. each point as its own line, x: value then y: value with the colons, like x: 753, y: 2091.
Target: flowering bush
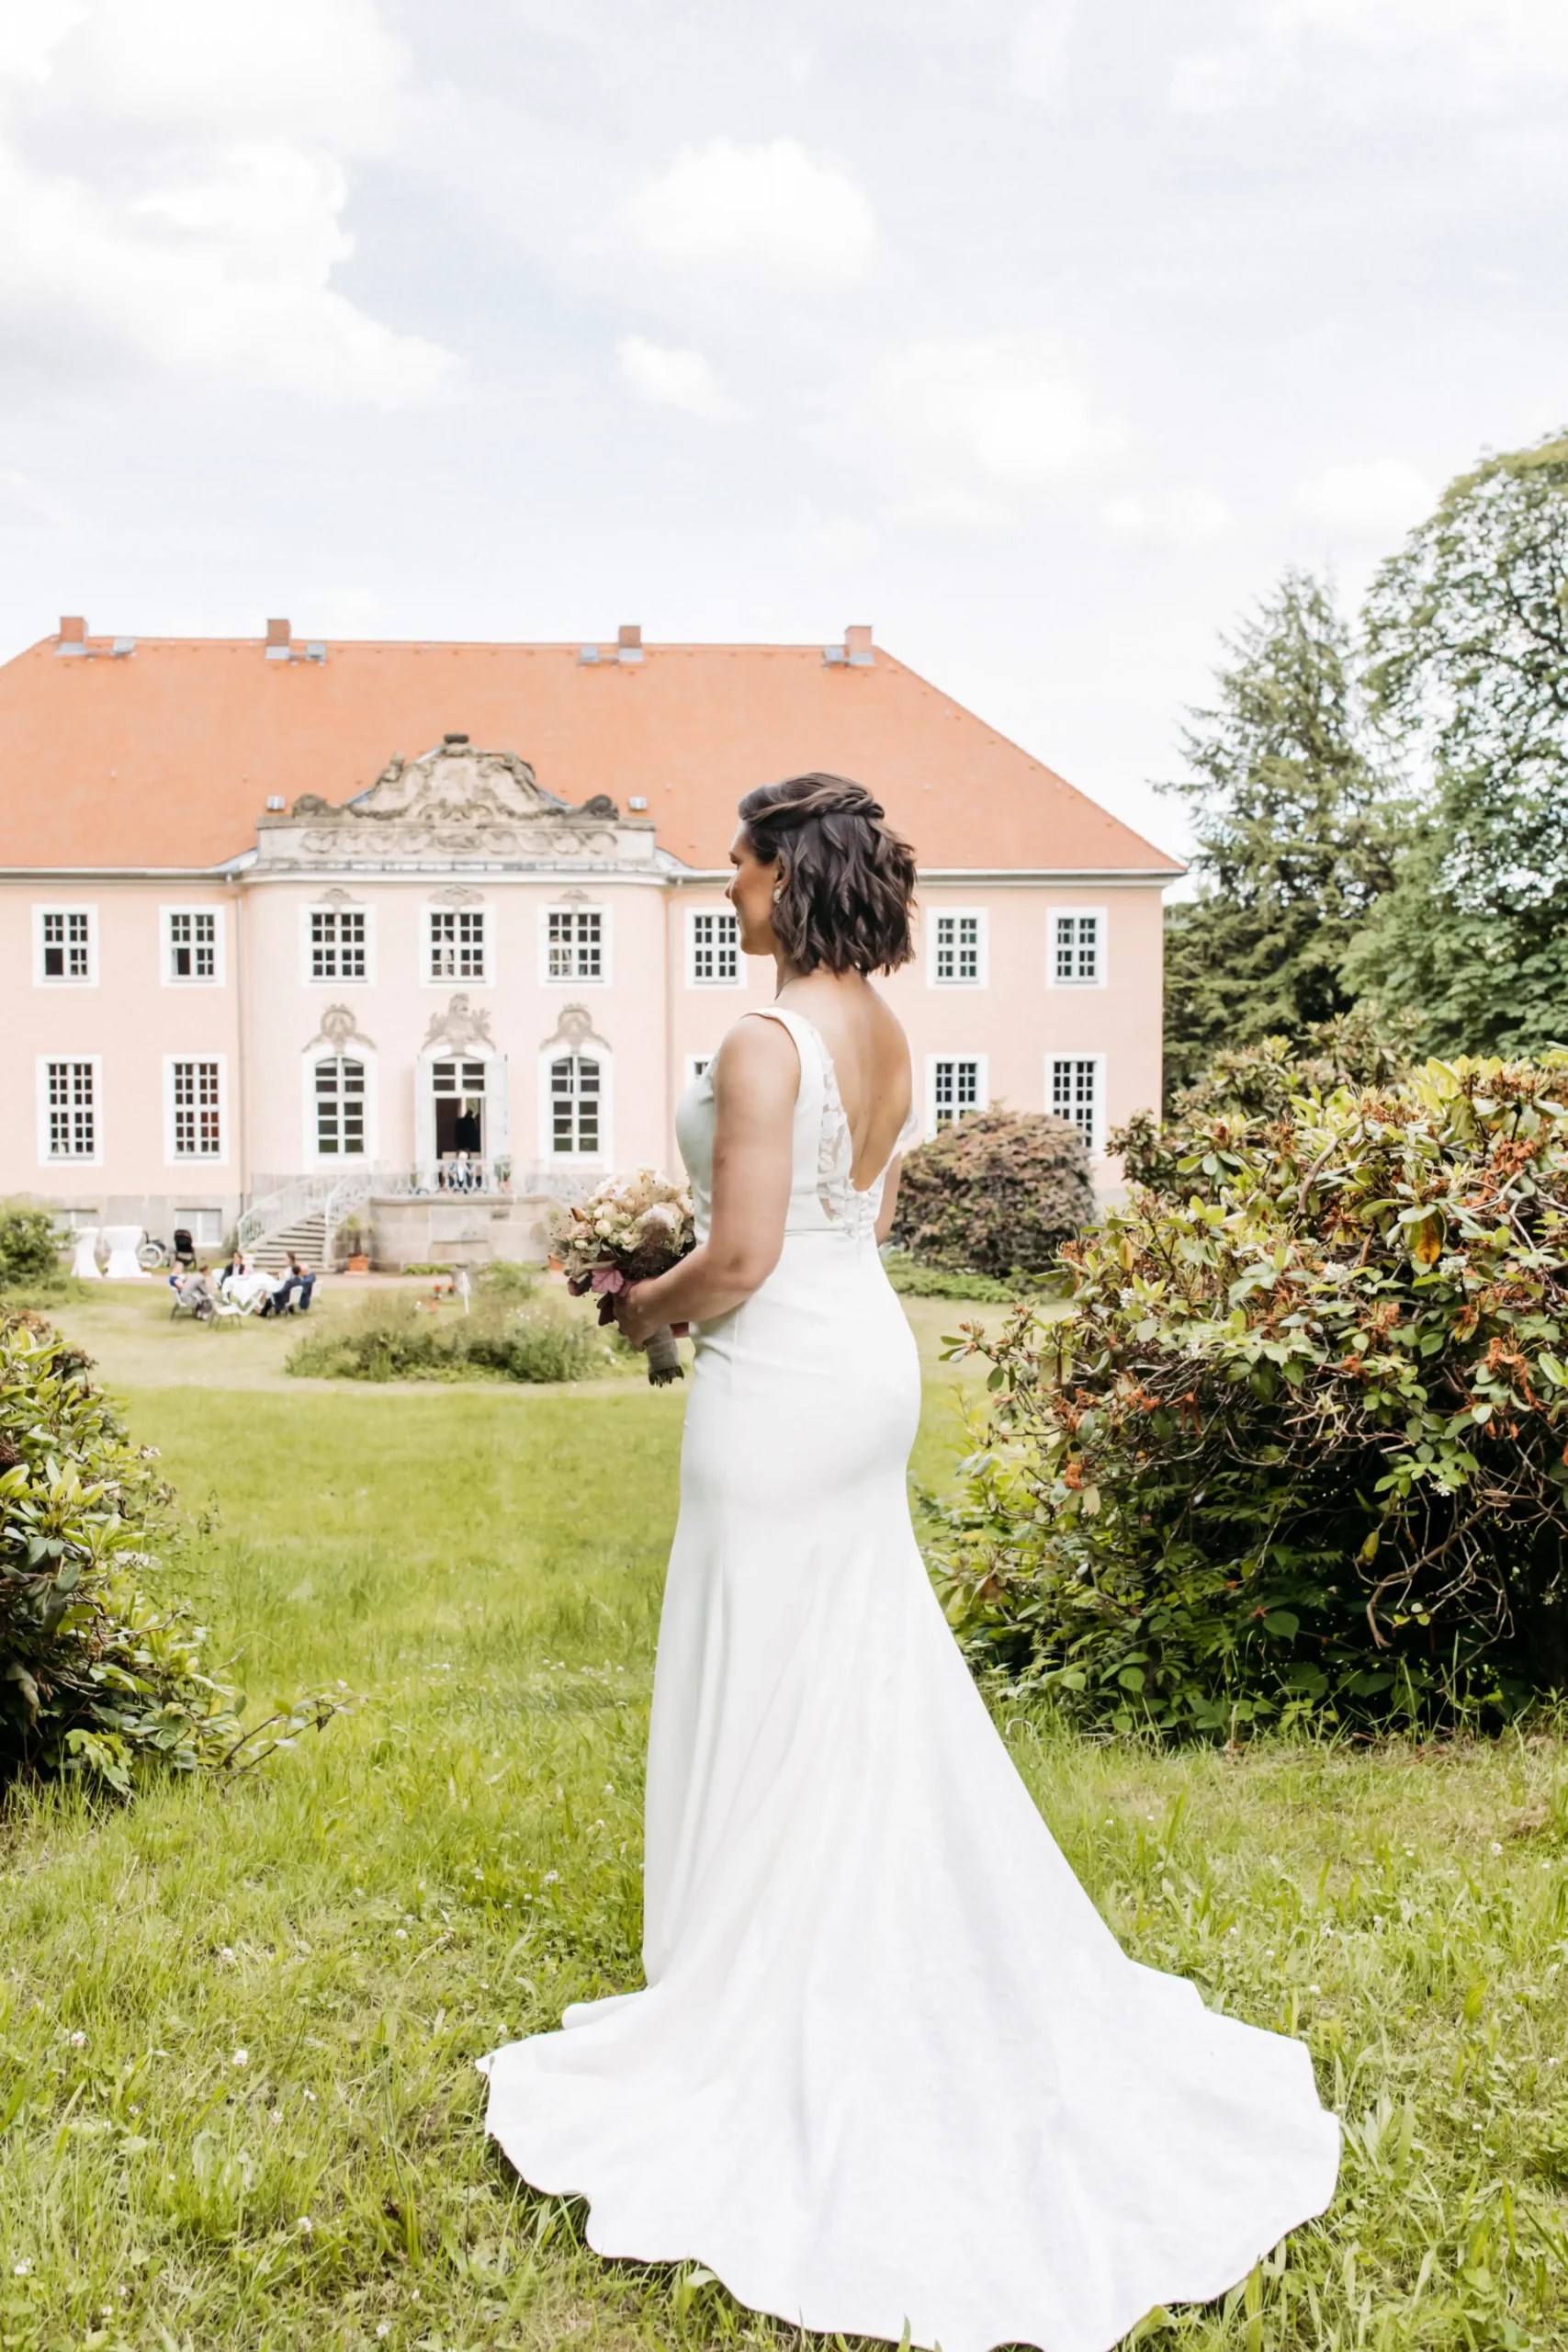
x: 995, y: 1193
x: 99, y: 1679
x: 1300, y: 1442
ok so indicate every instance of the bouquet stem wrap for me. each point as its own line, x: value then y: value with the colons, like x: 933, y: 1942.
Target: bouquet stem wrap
x: 628, y: 1230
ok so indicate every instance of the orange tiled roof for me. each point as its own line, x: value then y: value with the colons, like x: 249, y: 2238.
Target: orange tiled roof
x: 166, y: 756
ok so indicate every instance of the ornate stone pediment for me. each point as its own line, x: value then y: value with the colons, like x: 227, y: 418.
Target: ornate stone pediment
x: 461, y: 1029
x: 455, y: 785
x: 454, y: 807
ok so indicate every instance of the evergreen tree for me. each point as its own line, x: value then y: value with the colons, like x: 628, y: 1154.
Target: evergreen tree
x: 1295, y: 840
x: 1468, y: 630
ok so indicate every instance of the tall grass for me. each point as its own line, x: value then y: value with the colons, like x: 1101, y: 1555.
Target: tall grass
x: 279, y: 1993
x: 398, y: 1338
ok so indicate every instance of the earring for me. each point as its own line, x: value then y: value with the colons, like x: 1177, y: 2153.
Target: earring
x: 778, y: 892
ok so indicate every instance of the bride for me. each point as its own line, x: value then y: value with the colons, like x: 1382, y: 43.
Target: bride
x: 891, y: 2075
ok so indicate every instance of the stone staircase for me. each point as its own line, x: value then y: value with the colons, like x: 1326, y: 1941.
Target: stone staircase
x: 306, y: 1236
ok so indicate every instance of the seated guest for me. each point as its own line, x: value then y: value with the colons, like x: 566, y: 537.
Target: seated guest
x: 296, y: 1279
x: 194, y: 1290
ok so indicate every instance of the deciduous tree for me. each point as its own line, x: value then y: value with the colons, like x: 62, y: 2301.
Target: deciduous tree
x: 1468, y: 632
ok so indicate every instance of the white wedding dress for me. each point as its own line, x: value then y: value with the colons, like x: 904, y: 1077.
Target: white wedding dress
x: 891, y: 2072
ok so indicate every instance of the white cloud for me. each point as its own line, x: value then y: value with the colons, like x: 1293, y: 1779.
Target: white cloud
x: 1184, y: 518
x: 198, y: 217
x: 974, y: 429
x: 1451, y: 56
x: 680, y: 380
x: 1039, y: 47
x: 1379, y: 500
x: 771, y: 209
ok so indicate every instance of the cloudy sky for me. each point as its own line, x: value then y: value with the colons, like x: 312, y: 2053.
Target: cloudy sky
x: 1040, y: 336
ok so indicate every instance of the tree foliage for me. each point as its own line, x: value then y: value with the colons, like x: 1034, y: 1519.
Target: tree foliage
x: 29, y: 1253
x: 1299, y: 1444
x: 1468, y: 632
x: 1294, y: 837
x: 995, y: 1193
x: 102, y: 1677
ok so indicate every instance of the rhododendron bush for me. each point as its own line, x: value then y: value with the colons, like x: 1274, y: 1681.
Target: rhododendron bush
x: 1300, y: 1443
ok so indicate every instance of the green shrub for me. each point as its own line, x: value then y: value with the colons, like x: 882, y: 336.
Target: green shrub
x: 913, y: 1280
x: 504, y: 1278
x: 393, y: 1339
x: 1298, y: 1444
x: 102, y: 1677
x: 30, y: 1248
x: 997, y: 1194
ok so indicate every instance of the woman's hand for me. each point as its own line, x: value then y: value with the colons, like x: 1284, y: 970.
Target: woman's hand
x: 636, y: 1318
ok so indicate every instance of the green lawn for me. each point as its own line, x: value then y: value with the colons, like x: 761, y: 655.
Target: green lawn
x: 238, y: 2029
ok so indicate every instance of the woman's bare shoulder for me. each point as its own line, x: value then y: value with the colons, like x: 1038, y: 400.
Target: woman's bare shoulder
x: 757, y: 1052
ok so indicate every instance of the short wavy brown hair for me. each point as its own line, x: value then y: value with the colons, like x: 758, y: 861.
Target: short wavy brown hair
x: 848, y: 879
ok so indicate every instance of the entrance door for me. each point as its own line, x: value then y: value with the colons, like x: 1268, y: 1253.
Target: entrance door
x: 459, y: 1092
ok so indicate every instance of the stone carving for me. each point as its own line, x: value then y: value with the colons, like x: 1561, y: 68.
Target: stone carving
x: 455, y: 806
x: 457, y: 784
x: 456, y: 894
x: 339, y: 1028
x: 574, y: 1029
x: 460, y: 1029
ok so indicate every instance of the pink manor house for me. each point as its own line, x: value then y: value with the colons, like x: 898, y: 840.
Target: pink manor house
x: 410, y: 937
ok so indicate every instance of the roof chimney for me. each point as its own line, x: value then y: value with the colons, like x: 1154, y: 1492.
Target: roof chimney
x: 72, y: 629
x: 630, y: 633
x: 857, y: 647
x: 278, y: 633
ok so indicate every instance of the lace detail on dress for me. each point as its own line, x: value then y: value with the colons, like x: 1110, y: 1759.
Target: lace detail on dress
x: 856, y: 1212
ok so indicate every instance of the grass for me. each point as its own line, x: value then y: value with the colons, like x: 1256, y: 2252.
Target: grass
x: 227, y: 2016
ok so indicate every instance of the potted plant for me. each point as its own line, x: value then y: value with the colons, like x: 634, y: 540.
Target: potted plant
x: 351, y: 1237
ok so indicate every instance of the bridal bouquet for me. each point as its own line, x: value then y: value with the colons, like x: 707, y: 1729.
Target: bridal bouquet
x: 631, y: 1228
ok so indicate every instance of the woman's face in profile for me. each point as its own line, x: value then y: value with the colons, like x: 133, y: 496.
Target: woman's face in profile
x: 751, y: 893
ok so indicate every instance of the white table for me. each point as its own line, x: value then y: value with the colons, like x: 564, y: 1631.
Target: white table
x: 246, y: 1290
x: 85, y: 1264
x: 123, y: 1242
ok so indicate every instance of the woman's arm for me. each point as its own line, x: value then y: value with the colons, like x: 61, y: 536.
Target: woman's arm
x: 889, y: 1197
x: 756, y: 1079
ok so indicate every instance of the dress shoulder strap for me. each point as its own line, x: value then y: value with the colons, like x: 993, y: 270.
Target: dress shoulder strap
x: 808, y: 1045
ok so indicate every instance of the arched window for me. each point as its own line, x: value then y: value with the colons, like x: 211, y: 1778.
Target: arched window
x: 575, y: 1099
x: 339, y: 1107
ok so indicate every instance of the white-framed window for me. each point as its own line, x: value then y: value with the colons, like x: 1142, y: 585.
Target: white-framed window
x: 338, y: 1104
x: 955, y: 1086
x: 1074, y: 1090
x: 575, y: 943
x: 958, y: 944
x: 338, y: 943
x: 576, y: 1104
x: 204, y: 1226
x: 195, y: 1113
x: 713, y: 948
x: 457, y: 947
x: 193, y: 946
x: 1074, y: 954
x: 69, y: 1108
x: 65, y: 947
